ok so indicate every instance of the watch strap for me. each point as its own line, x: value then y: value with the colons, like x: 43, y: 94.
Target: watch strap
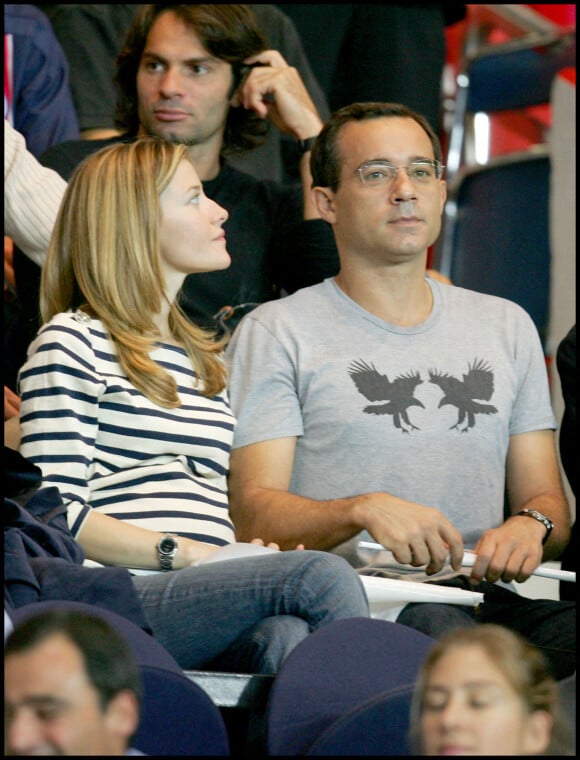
x: 303, y: 146
x: 535, y: 515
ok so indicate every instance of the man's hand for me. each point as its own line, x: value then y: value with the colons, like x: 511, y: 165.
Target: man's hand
x: 511, y: 552
x: 415, y: 534
x: 276, y: 91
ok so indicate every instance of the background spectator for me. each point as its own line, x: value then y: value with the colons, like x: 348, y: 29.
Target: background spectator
x: 37, y: 96
x: 71, y: 687
x: 487, y: 691
x: 92, y: 36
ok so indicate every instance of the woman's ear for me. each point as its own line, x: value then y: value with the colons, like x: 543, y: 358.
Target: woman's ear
x: 324, y: 202
x: 538, y: 732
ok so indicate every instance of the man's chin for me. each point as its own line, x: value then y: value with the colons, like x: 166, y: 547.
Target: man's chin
x: 169, y: 133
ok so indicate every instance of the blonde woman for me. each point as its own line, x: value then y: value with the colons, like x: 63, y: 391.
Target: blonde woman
x: 124, y: 409
x: 484, y: 690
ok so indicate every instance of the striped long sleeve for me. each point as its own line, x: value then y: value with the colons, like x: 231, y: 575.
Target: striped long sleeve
x: 107, y: 447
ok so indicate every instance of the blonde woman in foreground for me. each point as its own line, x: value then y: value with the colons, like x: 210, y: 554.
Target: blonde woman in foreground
x: 484, y: 690
x: 125, y: 411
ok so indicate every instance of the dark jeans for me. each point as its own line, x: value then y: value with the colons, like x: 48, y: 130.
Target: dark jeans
x: 549, y: 625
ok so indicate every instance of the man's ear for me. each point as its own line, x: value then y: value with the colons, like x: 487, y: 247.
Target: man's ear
x: 123, y: 715
x: 324, y: 201
x: 443, y: 194
x: 239, y: 73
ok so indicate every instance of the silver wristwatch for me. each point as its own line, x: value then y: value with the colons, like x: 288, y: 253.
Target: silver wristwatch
x: 546, y: 522
x: 166, y: 551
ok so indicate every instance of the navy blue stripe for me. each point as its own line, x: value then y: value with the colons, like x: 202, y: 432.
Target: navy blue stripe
x: 59, y: 391
x: 52, y: 414
x: 162, y: 515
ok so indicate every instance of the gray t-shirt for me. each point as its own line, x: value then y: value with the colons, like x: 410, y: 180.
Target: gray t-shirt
x: 424, y: 412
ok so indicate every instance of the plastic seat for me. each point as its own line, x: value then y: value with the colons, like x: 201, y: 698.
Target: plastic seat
x: 177, y: 716
x: 508, y: 76
x: 496, y: 236
x: 377, y: 727
x: 334, y: 670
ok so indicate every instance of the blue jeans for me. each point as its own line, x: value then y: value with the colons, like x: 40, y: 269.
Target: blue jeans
x: 246, y: 615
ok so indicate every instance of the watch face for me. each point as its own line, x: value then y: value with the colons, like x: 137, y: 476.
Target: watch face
x: 167, y: 545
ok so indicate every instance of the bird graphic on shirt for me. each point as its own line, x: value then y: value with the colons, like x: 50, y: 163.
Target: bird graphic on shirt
x: 398, y: 394
x: 477, y: 383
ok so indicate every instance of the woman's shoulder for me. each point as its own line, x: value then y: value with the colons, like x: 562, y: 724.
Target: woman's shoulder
x: 73, y: 325
x: 74, y: 321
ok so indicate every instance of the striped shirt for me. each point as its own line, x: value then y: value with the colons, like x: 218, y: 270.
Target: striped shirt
x: 106, y: 446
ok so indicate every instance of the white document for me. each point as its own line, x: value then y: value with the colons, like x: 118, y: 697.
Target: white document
x: 387, y: 596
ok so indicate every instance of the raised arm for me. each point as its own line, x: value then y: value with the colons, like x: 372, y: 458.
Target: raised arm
x: 275, y: 90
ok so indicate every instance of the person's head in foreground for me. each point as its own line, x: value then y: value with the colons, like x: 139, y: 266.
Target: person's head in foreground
x: 484, y: 690
x: 71, y: 687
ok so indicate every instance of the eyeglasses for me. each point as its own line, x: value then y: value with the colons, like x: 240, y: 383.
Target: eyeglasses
x: 380, y: 173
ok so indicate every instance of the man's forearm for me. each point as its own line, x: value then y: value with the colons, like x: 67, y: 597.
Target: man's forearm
x: 289, y: 520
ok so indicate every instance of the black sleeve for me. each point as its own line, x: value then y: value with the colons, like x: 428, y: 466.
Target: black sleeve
x: 309, y: 255
x: 566, y: 365
x: 65, y: 156
x: 303, y: 251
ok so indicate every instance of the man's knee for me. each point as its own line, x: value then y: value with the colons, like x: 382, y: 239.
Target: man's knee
x: 435, y: 619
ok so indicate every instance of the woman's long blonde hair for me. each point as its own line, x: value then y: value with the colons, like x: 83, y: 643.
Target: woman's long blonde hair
x: 104, y: 258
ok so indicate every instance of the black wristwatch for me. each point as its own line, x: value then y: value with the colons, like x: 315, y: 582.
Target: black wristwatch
x: 166, y: 551
x: 546, y: 522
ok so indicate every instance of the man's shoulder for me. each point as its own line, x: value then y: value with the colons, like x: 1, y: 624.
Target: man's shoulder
x: 299, y: 306
x: 475, y: 299
x: 64, y: 157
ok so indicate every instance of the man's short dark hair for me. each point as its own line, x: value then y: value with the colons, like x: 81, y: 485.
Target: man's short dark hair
x: 325, y: 162
x: 229, y: 32
x: 109, y: 662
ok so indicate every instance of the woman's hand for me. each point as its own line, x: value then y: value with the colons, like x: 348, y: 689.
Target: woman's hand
x: 272, y: 545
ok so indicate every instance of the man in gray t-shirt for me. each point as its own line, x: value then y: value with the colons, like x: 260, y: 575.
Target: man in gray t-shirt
x: 384, y: 405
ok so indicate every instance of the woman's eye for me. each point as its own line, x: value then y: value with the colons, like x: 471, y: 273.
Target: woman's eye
x: 434, y: 702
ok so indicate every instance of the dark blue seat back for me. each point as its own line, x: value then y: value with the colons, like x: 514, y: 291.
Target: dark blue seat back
x: 178, y: 718
x: 379, y: 726
x: 496, y: 236
x: 520, y: 77
x: 332, y: 671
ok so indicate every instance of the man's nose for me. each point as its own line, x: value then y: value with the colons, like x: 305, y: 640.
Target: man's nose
x: 21, y: 732
x: 403, y: 188
x: 171, y: 83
